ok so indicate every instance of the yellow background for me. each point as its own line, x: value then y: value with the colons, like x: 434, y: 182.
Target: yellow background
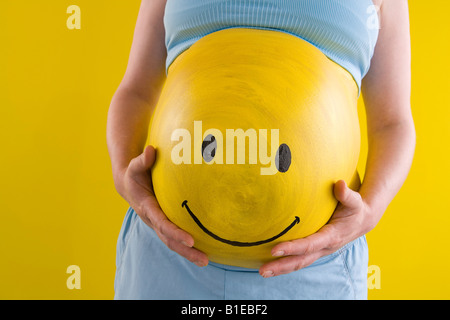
x: 58, y: 206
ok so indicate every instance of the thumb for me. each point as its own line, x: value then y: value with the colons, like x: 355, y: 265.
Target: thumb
x: 346, y: 196
x: 143, y: 162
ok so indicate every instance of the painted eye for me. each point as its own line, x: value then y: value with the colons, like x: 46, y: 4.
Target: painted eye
x: 283, y: 158
x: 209, y: 146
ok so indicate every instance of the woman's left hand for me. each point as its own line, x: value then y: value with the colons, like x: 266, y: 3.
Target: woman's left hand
x: 350, y: 220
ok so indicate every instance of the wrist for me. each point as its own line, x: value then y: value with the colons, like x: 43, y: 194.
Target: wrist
x: 372, y: 215
x: 119, y: 178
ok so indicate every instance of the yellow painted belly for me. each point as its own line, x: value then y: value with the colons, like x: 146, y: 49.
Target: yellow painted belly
x: 252, y: 129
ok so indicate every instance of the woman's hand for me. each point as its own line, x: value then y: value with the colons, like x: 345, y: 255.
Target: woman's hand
x: 138, y: 191
x: 350, y: 220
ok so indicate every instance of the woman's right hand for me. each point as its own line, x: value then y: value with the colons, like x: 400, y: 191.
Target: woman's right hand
x: 138, y: 192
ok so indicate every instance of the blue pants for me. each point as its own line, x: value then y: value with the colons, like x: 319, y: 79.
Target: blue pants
x: 147, y: 269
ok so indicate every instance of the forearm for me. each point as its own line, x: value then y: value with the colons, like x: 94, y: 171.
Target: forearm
x: 127, y: 130
x: 389, y: 159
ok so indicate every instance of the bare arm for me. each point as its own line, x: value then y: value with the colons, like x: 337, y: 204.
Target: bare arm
x: 391, y: 137
x: 134, y: 101
x: 390, y: 126
x: 127, y: 129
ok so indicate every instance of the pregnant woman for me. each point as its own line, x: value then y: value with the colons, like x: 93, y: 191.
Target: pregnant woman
x: 363, y: 44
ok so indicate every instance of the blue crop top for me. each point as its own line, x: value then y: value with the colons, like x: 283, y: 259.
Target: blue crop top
x: 346, y: 31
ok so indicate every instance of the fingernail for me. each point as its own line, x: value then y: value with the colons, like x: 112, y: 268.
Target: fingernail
x: 278, y: 254
x: 199, y: 264
x: 267, y: 274
x: 186, y: 244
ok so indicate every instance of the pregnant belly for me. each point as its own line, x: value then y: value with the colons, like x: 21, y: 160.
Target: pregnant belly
x: 252, y: 129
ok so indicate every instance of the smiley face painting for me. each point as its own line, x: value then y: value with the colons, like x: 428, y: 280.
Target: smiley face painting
x: 252, y: 130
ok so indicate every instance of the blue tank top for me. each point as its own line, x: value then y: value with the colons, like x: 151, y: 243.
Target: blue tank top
x: 346, y: 31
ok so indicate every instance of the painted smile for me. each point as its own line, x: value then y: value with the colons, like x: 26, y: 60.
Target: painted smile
x: 237, y: 243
